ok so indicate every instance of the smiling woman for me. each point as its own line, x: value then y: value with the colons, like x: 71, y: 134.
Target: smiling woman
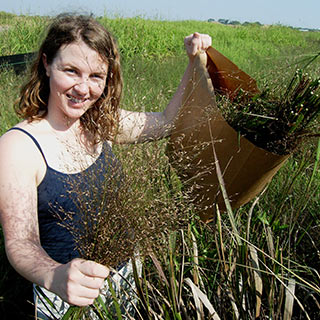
x: 64, y: 31
x: 71, y: 117
x: 77, y: 80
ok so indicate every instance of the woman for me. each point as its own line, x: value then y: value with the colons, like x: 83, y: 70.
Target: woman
x: 70, y: 107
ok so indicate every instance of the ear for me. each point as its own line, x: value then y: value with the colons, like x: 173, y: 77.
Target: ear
x: 45, y: 64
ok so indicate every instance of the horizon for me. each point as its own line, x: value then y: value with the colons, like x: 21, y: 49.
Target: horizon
x: 292, y: 13
x: 224, y: 21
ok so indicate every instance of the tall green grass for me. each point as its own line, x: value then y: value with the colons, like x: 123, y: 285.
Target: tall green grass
x: 9, y: 84
x: 151, y: 38
x: 279, y: 233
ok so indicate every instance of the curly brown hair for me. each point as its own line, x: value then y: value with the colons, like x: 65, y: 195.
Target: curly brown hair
x: 102, y: 118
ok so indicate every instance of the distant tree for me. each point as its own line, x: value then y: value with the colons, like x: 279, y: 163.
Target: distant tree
x: 223, y: 21
x: 211, y: 20
x: 252, y: 24
x: 4, y: 15
x: 234, y: 22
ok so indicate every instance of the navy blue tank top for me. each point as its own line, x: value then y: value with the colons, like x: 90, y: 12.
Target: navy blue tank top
x: 60, y: 193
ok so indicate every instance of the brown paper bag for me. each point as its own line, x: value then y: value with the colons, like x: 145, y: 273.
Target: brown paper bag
x: 199, y: 129
x: 226, y: 77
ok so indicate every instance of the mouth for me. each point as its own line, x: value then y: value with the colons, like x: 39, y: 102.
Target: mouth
x: 75, y: 100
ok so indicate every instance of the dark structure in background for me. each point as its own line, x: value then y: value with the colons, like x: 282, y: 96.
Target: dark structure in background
x: 18, y: 62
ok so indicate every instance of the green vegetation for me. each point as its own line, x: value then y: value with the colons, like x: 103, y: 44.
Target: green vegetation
x: 266, y: 263
x: 276, y: 121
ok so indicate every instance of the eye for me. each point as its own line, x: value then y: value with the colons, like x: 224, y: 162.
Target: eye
x: 70, y: 70
x: 98, y: 76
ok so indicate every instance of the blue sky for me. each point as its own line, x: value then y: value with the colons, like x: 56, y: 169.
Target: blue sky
x: 296, y: 13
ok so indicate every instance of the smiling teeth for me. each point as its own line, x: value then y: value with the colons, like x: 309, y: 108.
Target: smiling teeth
x: 75, y: 100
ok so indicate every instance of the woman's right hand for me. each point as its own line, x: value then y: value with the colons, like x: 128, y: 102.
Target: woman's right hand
x: 79, y: 281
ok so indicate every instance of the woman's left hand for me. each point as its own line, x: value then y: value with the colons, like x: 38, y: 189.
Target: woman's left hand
x: 196, y: 42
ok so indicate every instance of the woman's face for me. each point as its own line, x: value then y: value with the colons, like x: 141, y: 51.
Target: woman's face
x: 77, y: 77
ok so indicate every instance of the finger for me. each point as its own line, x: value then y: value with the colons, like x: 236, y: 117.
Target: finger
x: 191, y: 43
x: 187, y: 40
x: 196, y: 42
x: 88, y: 293
x: 90, y: 282
x: 206, y: 41
x: 91, y: 268
x: 81, y: 301
x: 196, y: 35
x: 78, y: 294
x: 202, y: 41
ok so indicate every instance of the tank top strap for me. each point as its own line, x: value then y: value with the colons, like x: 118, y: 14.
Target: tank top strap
x: 33, y: 139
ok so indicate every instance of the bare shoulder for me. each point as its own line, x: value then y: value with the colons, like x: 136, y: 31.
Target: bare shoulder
x: 19, y: 166
x: 18, y: 153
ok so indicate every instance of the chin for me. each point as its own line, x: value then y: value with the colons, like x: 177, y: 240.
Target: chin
x: 76, y: 112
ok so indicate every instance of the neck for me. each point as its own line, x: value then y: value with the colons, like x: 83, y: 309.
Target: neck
x: 63, y: 125
x: 71, y: 132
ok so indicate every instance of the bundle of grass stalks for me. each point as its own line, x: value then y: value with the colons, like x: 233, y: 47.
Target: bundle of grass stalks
x: 132, y: 211
x: 276, y: 121
x: 129, y: 217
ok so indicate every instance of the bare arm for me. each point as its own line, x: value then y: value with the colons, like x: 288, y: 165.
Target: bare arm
x: 144, y: 126
x: 77, y: 282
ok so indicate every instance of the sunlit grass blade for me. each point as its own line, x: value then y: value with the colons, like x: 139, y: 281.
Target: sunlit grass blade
x: 288, y: 306
x: 115, y: 299
x: 73, y: 313
x: 257, y: 279
x: 198, y: 296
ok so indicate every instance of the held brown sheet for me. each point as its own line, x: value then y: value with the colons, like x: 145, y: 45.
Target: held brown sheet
x: 200, y: 129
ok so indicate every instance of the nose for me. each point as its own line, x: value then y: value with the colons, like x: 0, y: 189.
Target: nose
x: 82, y: 87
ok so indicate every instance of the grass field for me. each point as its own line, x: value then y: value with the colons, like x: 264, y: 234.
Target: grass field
x: 273, y: 271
